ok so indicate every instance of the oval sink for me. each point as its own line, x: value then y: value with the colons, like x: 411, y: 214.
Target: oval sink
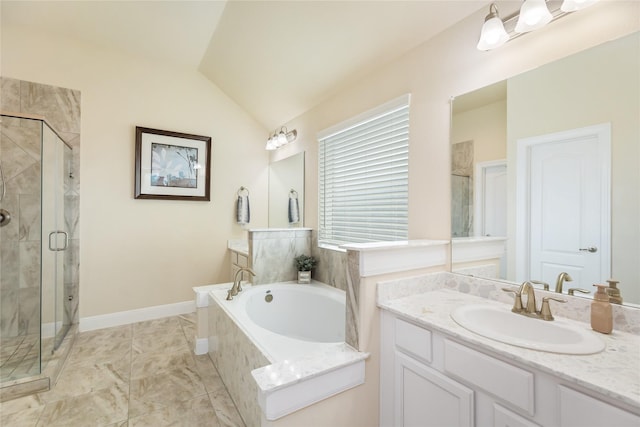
x: 502, y: 325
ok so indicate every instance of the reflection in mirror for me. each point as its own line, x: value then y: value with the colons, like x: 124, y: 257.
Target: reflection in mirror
x: 546, y: 176
x: 286, y: 192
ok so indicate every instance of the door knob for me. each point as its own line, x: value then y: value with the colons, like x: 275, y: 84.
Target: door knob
x: 591, y: 249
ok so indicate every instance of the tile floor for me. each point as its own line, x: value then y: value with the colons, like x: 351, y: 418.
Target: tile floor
x: 19, y: 357
x: 144, y: 374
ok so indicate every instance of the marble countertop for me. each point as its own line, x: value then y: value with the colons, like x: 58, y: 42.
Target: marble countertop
x: 289, y: 372
x: 240, y: 246
x: 614, y: 372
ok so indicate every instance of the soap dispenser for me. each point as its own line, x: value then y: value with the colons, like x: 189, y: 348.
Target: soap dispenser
x: 601, y: 316
x: 614, y: 292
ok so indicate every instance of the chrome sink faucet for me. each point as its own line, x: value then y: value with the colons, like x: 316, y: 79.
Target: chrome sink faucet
x: 560, y: 281
x: 237, y: 279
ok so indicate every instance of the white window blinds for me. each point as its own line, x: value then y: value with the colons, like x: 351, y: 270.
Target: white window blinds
x: 364, y: 177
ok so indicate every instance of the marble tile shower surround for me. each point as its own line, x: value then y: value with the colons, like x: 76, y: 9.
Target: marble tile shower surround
x: 625, y: 319
x: 272, y: 253
x: 136, y: 375
x: 241, y: 356
x: 20, y: 241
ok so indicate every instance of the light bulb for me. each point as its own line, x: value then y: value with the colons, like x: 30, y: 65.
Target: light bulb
x: 534, y: 14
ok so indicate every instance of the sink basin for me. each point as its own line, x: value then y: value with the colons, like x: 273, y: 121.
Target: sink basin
x: 500, y: 324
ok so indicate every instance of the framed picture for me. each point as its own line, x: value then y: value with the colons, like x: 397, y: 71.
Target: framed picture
x: 172, y: 165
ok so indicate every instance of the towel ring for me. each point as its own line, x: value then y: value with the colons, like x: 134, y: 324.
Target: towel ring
x: 293, y: 193
x: 242, y: 190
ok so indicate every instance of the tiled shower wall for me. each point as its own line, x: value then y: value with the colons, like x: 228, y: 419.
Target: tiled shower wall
x: 19, y: 293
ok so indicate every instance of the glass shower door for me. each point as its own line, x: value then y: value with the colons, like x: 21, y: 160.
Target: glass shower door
x: 56, y: 157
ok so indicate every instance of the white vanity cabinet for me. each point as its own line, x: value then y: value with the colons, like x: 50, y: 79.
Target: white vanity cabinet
x: 428, y: 379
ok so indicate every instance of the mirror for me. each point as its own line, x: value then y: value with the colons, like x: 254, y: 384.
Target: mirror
x: 286, y: 191
x: 545, y: 173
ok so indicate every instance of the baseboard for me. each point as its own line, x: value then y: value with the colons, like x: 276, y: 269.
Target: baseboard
x: 132, y: 316
x: 202, y: 346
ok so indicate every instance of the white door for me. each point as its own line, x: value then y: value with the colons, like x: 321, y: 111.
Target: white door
x: 569, y: 205
x: 491, y: 199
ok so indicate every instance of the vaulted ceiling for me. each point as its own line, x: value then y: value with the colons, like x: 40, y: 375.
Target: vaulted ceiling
x: 276, y: 59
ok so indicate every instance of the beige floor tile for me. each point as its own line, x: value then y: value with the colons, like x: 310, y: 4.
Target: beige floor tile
x: 102, y: 352
x: 100, y: 336
x: 167, y: 325
x: 144, y: 365
x: 89, y: 377
x: 209, y: 374
x: 146, y: 371
x: 156, y: 392
x: 24, y: 418
x: 154, y: 343
x: 99, y: 408
x: 22, y: 404
x: 226, y: 411
x: 196, y: 412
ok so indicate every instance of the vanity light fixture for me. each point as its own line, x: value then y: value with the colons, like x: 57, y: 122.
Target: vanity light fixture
x: 493, y: 33
x: 533, y: 14
x: 280, y: 138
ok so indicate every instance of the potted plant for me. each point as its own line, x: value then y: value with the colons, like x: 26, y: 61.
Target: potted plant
x: 304, y: 264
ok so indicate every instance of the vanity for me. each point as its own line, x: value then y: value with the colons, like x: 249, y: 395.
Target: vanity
x: 434, y: 372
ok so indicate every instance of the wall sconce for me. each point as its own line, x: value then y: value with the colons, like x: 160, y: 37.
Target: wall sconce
x: 533, y: 14
x: 280, y: 138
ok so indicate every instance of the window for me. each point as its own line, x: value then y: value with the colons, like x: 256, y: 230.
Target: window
x: 364, y: 177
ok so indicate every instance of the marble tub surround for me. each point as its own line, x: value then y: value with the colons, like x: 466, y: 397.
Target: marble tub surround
x: 235, y: 356
x: 290, y: 385
x: 368, y: 260
x: 272, y: 252
x: 142, y: 374
x: 612, y: 372
x: 270, y: 375
x: 625, y: 318
x: 239, y: 245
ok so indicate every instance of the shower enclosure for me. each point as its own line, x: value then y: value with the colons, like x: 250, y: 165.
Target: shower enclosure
x: 36, y: 212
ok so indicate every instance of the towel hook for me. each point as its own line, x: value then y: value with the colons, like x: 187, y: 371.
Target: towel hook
x: 243, y: 189
x: 293, y: 193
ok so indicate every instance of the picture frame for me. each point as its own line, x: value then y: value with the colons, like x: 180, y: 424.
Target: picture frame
x: 172, y: 165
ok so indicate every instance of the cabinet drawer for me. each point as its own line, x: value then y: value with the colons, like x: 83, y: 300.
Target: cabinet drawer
x: 243, y: 260
x: 580, y: 410
x: 511, y: 384
x: 413, y: 340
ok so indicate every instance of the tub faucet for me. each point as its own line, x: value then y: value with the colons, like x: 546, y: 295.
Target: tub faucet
x: 561, y: 278
x: 237, y: 287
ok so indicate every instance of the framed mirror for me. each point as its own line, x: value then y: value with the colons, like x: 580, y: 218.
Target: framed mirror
x: 546, y: 173
x: 286, y: 192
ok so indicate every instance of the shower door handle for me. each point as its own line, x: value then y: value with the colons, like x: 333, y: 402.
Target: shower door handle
x: 66, y: 241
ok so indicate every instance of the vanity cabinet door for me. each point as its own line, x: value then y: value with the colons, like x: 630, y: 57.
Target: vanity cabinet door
x: 580, y: 410
x: 423, y: 397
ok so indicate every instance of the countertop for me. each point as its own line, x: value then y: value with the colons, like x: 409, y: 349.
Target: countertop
x: 614, y: 372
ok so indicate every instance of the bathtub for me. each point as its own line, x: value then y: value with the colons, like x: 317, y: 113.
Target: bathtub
x: 287, y: 320
x: 268, y: 324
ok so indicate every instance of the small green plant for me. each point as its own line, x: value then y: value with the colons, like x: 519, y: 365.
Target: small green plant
x: 305, y: 262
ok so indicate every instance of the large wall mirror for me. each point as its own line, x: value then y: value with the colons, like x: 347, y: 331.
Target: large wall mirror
x: 286, y: 192
x: 546, y: 173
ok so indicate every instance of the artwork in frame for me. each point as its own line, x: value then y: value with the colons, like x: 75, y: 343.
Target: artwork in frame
x: 172, y: 165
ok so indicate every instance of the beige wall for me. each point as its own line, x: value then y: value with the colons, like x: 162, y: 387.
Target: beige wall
x: 486, y: 126
x: 446, y: 66
x: 140, y: 253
